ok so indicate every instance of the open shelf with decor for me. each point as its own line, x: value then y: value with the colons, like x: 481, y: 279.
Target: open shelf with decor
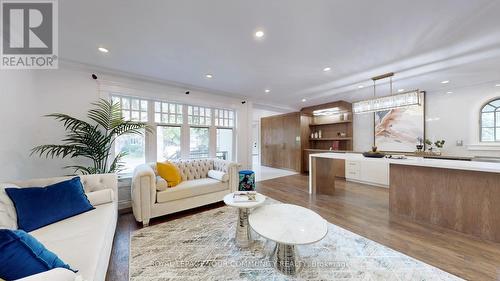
x: 326, y: 127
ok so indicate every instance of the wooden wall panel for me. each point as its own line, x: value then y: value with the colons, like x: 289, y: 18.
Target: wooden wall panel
x: 280, y: 141
x: 464, y: 201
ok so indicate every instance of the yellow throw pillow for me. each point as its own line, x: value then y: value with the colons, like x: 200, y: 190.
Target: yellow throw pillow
x: 169, y: 172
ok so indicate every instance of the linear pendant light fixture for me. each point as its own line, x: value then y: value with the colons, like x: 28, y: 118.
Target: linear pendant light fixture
x: 388, y: 102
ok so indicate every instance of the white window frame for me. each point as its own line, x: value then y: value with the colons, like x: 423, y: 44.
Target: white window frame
x: 147, y: 137
x: 151, y: 138
x: 496, y: 121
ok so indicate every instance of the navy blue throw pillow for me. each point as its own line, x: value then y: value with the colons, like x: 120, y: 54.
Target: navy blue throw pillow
x: 21, y: 255
x: 40, y: 206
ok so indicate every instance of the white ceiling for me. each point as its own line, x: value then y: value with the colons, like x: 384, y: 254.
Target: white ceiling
x: 423, y: 41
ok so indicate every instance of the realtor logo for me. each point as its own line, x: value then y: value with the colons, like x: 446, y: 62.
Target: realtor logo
x: 29, y: 34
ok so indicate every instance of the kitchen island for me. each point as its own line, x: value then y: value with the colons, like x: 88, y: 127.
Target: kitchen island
x: 459, y: 195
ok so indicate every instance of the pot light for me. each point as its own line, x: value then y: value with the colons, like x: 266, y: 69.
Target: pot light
x: 401, y: 90
x: 103, y: 50
x: 267, y: 91
x: 209, y: 76
x: 326, y: 69
x: 445, y: 82
x: 259, y: 34
x: 304, y: 100
x: 497, y: 85
x: 361, y: 87
x: 449, y: 92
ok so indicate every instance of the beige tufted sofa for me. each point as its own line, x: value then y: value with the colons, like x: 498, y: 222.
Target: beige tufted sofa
x: 195, y: 190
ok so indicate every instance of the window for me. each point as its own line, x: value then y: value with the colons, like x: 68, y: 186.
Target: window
x: 179, y: 131
x: 199, y: 139
x: 133, y: 109
x: 224, y: 118
x: 198, y: 115
x: 168, y: 143
x: 490, y: 122
x: 224, y: 121
x: 134, y: 148
x: 168, y: 113
x: 225, y: 144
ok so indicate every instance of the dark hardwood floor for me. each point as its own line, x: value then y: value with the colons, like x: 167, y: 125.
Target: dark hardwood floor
x: 361, y: 209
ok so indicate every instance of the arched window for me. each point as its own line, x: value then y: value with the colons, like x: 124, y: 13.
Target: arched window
x: 490, y: 121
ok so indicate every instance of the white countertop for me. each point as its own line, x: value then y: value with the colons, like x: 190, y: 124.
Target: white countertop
x: 419, y: 161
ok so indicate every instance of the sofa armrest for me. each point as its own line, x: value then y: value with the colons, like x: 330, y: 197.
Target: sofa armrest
x: 143, y: 192
x: 56, y: 274
x: 230, y: 168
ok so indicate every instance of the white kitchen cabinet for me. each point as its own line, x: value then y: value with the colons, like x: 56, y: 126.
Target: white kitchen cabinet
x: 368, y: 172
x: 353, y: 170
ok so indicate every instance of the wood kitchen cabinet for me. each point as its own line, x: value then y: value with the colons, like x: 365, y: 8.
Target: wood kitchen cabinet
x: 281, y: 141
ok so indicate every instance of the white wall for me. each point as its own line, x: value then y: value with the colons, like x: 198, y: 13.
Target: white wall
x: 451, y: 117
x: 27, y: 95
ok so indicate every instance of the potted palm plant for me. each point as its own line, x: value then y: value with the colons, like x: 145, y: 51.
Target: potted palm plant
x: 94, y: 140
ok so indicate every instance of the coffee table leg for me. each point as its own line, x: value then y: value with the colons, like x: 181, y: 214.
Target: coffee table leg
x: 242, y: 229
x: 285, y: 259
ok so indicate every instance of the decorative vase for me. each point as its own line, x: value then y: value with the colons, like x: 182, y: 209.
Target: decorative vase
x: 319, y: 134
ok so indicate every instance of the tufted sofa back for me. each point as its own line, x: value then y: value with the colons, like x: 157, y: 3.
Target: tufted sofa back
x: 90, y: 182
x: 191, y: 169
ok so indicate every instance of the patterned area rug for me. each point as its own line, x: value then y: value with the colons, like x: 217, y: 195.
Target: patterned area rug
x: 201, y: 247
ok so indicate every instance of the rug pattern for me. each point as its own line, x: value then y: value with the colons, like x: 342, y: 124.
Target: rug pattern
x: 201, y: 247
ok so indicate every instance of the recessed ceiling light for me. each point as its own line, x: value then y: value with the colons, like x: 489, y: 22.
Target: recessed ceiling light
x: 361, y: 87
x: 326, y: 69
x: 401, y: 90
x: 449, y: 92
x: 497, y: 85
x: 259, y: 34
x: 445, y: 82
x: 209, y: 76
x: 304, y: 100
x: 103, y: 50
x: 267, y: 91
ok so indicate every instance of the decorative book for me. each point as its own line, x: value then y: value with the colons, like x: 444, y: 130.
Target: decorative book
x: 242, y: 196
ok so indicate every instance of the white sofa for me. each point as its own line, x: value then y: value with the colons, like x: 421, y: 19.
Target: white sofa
x: 195, y: 190
x: 83, y: 241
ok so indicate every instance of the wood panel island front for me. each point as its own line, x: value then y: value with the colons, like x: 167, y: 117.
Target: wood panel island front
x: 460, y: 195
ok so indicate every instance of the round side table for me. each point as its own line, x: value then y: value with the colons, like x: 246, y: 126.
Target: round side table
x: 288, y: 225
x: 242, y: 237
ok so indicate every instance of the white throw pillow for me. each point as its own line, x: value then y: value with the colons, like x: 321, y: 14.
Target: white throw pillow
x: 218, y: 175
x: 161, y: 184
x: 8, y: 215
x: 100, y: 197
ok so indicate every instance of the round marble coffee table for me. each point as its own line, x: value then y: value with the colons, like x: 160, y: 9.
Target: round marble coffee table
x: 288, y: 226
x: 242, y: 237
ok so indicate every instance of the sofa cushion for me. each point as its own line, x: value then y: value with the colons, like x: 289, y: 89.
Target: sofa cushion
x: 40, y: 206
x: 218, y: 175
x: 190, y: 188
x: 8, y: 217
x: 23, y: 255
x: 161, y: 184
x: 100, y: 197
x: 169, y: 172
x: 83, y: 241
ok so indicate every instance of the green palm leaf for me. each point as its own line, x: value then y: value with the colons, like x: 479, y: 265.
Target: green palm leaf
x: 92, y: 141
